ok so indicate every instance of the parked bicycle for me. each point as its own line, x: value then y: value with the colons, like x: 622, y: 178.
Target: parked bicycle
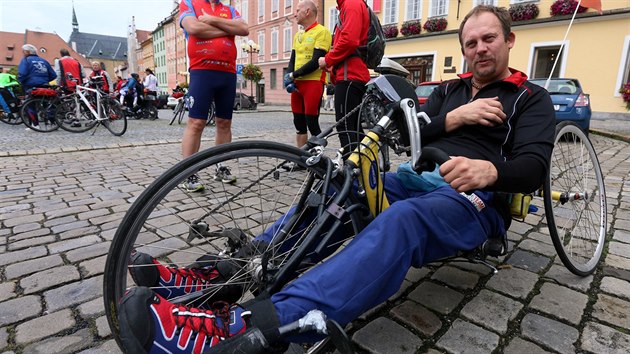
x: 38, y: 110
x: 303, y: 210
x: 88, y: 107
x: 182, y: 106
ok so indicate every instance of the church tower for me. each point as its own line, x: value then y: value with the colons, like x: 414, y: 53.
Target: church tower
x: 75, y: 22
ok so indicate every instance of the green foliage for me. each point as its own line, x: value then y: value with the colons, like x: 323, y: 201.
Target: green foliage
x: 252, y: 72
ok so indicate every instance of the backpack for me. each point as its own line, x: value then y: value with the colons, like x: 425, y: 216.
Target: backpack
x: 373, y: 51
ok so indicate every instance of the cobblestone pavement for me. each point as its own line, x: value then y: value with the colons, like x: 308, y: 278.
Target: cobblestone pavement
x: 62, y: 196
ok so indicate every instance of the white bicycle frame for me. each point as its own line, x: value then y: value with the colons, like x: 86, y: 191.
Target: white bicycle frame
x: 79, y: 93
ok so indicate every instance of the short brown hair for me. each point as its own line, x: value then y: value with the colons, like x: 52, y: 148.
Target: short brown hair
x: 500, y: 12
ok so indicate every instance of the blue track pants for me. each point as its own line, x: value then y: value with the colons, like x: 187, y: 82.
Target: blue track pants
x: 418, y: 228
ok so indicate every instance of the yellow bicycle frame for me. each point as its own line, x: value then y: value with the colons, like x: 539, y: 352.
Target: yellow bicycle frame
x: 366, y: 158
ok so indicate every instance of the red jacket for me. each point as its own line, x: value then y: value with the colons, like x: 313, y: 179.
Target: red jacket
x: 352, y: 33
x: 72, y: 66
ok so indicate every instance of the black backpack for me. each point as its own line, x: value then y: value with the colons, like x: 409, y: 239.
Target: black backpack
x: 373, y: 51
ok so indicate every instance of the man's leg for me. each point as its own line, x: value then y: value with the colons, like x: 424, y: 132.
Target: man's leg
x: 348, y: 95
x: 223, y: 134
x: 412, y: 232
x: 191, y: 140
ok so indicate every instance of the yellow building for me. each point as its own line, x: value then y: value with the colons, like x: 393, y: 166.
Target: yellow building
x: 596, y: 50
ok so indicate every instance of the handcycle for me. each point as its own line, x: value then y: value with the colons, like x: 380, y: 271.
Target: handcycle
x: 87, y: 107
x: 39, y: 107
x: 183, y: 104
x: 12, y: 117
x: 303, y: 210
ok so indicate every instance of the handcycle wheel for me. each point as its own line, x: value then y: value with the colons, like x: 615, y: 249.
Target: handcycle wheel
x: 152, y: 112
x: 116, y: 121
x: 38, y: 113
x: 164, y: 216
x: 69, y: 120
x: 575, y: 200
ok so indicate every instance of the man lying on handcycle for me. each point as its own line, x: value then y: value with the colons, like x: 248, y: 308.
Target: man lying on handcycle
x: 497, y: 127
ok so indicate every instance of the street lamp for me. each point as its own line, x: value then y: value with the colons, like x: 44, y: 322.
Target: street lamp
x: 251, y: 47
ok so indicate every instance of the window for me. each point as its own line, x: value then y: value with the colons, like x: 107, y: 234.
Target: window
x: 544, y: 58
x: 288, y: 39
x: 438, y: 8
x: 486, y: 2
x: 414, y: 10
x: 245, y: 10
x: 274, y: 40
x: 391, y: 12
x: 333, y: 18
x: 288, y: 4
x: 518, y: 1
x: 261, y: 42
x: 275, y: 4
x: 261, y: 9
x: 624, y: 66
x: 272, y: 79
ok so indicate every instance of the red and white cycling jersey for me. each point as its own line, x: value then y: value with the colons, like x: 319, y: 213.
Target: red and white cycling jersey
x: 210, y: 53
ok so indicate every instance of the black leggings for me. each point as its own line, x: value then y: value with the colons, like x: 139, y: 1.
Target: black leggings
x: 303, y: 123
x: 348, y: 95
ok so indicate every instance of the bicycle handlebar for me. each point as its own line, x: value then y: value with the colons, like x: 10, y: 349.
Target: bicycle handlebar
x: 431, y: 156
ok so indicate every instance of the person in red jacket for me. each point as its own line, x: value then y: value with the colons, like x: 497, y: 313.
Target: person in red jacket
x: 68, y: 65
x: 348, y: 71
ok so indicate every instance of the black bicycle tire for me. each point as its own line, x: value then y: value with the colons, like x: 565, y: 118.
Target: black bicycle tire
x: 121, y: 116
x: 176, y: 111
x: 152, y: 112
x: 90, y: 121
x: 37, y: 101
x: 552, y: 224
x: 123, y: 241
x: 180, y: 117
x: 17, y: 119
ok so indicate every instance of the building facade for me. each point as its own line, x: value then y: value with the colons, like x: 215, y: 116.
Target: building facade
x: 596, y: 50
x: 272, y: 25
x: 159, y: 57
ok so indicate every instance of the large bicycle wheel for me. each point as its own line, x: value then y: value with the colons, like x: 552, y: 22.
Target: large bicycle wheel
x: 177, y: 111
x: 116, y: 121
x: 575, y: 200
x: 178, y: 227
x: 151, y: 112
x: 10, y: 118
x: 73, y: 120
x: 38, y: 113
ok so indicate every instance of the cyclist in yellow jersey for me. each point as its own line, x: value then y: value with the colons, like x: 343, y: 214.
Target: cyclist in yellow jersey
x: 305, y: 80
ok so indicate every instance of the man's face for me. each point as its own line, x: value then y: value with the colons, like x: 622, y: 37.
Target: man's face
x: 486, y: 50
x: 96, y: 67
x: 301, y: 13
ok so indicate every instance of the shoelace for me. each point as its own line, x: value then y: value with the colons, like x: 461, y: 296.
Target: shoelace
x: 204, y: 321
x: 191, y: 273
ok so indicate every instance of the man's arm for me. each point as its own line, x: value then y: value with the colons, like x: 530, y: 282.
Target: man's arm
x: 200, y: 29
x: 311, y: 65
x: 58, y: 71
x: 110, y: 84
x: 234, y: 27
x: 348, y: 38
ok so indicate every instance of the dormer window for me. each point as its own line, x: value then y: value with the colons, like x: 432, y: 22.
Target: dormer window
x: 43, y: 50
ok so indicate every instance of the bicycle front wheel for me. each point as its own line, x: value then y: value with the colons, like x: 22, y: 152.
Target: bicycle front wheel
x: 38, y: 113
x: 74, y: 120
x: 575, y: 200
x: 116, y: 121
x: 237, y: 223
x: 178, y: 109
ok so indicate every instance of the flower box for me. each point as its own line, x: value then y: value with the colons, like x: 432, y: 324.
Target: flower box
x: 410, y: 28
x: 625, y: 94
x: 390, y: 31
x: 524, y: 12
x: 435, y: 24
x: 565, y: 7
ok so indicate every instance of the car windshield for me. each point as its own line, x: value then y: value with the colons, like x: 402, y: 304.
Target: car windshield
x: 425, y: 90
x: 558, y: 86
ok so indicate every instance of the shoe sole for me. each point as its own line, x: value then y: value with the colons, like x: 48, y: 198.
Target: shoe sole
x: 133, y: 308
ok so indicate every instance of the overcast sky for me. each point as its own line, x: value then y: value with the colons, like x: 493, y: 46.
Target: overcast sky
x: 108, y: 17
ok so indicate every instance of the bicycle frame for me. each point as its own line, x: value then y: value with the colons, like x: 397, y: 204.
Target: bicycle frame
x: 79, y: 94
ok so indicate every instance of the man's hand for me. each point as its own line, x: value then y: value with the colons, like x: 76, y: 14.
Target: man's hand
x: 464, y: 174
x: 483, y: 111
x: 205, y: 18
x: 322, y: 64
x: 288, y: 79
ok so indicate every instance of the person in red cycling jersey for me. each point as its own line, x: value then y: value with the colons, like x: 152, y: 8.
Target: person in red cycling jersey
x: 305, y: 80
x: 210, y: 28
x: 68, y: 65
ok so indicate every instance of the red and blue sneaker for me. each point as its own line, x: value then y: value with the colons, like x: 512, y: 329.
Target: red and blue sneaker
x: 171, y: 282
x: 151, y: 324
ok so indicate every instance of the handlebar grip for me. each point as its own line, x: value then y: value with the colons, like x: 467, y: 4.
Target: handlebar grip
x: 431, y: 156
